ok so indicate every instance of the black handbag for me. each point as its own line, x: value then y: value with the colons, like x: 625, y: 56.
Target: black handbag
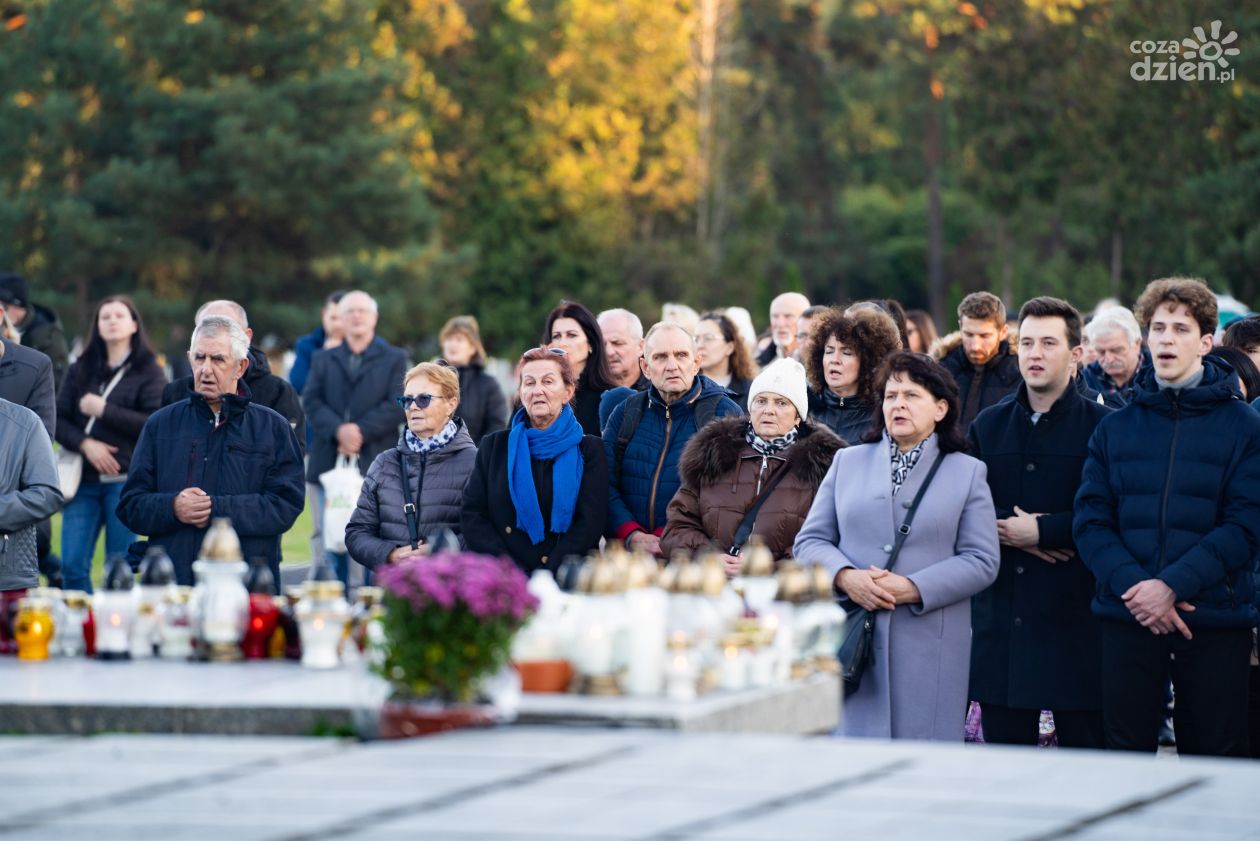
x: 858, y: 640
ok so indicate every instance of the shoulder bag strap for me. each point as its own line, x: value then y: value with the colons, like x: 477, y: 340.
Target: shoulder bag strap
x: 904, y: 531
x: 750, y: 516
x: 409, y: 507
x: 122, y: 369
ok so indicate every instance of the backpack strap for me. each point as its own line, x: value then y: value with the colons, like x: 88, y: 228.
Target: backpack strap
x: 634, y: 405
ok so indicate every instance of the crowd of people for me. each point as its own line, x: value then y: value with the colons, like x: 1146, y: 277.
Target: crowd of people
x: 1072, y: 505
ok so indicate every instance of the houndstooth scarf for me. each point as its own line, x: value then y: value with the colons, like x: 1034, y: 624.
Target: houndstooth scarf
x: 428, y: 445
x: 769, y: 447
x: 903, y: 463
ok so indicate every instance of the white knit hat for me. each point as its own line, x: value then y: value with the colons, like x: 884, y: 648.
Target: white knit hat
x: 783, y: 376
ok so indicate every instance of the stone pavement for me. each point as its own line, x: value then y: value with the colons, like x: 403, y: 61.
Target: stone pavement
x: 531, y: 784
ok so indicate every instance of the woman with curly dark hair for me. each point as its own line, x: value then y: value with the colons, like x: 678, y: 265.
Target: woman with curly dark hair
x: 573, y: 328
x: 841, y: 359
x: 723, y: 357
x: 915, y: 683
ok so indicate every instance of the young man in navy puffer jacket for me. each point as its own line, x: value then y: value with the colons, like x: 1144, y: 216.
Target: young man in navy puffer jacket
x: 1168, y: 520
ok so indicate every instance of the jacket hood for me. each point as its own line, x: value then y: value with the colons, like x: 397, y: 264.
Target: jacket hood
x: 259, y: 367
x: 702, y: 387
x: 37, y: 314
x: 461, y: 441
x: 716, y: 450
x: 1219, y: 386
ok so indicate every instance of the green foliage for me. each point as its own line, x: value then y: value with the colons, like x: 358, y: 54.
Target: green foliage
x: 493, y: 156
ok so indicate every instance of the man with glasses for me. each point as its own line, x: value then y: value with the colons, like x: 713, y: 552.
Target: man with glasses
x: 349, y: 399
x: 215, y: 453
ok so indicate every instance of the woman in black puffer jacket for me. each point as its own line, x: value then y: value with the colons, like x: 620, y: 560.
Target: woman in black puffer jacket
x: 482, y: 406
x: 439, y: 453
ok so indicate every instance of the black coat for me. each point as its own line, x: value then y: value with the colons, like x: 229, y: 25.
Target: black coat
x: 1034, y: 642
x: 333, y: 397
x: 26, y: 378
x: 482, y: 406
x: 489, y: 517
x: 41, y: 330
x: 266, y: 389
x: 436, y: 487
x: 848, y: 417
x: 995, y: 379
x: 586, y: 408
x: 137, y: 395
x: 739, y: 389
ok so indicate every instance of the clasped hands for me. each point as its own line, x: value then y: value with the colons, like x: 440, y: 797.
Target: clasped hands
x: 877, y: 589
x: 1021, y: 532
x: 193, y: 506
x: 1154, y: 605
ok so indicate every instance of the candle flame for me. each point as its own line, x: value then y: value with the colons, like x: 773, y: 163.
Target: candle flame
x: 115, y: 619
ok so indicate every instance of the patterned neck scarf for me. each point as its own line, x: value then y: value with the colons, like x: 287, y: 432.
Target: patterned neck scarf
x: 437, y: 442
x: 902, y: 463
x: 770, y: 447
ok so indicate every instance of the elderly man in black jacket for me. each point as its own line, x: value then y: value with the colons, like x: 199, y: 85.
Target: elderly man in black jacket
x: 214, y: 454
x: 350, y: 399
x: 1034, y: 643
x: 265, y: 388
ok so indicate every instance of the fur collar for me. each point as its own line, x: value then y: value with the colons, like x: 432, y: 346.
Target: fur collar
x: 950, y: 342
x: 715, y: 451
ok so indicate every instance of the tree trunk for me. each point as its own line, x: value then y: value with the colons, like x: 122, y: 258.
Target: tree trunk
x: 936, y: 225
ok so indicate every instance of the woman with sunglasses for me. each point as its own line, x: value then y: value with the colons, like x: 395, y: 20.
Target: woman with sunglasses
x: 437, y: 454
x: 539, y: 491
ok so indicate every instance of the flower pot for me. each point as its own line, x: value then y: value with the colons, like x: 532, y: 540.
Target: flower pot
x: 544, y: 675
x: 407, y: 719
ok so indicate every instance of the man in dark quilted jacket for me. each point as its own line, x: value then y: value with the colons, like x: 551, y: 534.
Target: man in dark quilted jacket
x: 1168, y: 520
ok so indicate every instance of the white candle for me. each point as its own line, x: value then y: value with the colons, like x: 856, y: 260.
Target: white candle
x: 732, y: 671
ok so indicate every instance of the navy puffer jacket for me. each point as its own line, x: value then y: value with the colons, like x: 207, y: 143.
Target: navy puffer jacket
x: 640, y: 488
x: 248, y: 464
x: 1171, y: 490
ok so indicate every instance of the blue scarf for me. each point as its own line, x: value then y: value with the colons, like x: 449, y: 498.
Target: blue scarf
x: 560, y: 442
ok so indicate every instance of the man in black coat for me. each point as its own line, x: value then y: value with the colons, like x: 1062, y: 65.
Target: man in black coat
x: 982, y: 364
x: 350, y: 396
x: 265, y: 388
x: 1035, y: 644
x: 26, y: 378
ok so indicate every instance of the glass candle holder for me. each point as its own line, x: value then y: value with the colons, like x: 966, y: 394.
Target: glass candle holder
x: 321, y: 616
x: 33, y: 628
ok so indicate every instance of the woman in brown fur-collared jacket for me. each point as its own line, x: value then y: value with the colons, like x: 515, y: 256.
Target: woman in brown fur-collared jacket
x: 726, y: 465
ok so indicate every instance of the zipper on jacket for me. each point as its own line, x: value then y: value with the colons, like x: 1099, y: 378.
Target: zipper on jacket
x: 656, y: 477
x: 1172, y: 457
x: 4, y: 550
x: 761, y: 475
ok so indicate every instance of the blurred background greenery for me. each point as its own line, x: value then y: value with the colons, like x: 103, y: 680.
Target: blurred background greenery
x: 492, y: 156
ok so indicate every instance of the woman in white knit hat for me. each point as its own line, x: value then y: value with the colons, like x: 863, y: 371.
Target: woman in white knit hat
x: 729, y: 464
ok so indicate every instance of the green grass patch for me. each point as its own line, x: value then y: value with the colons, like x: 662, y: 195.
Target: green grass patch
x: 295, y: 545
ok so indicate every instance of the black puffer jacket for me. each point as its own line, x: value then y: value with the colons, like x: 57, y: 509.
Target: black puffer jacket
x: 848, y: 417
x: 26, y: 378
x: 482, y: 406
x: 379, y: 524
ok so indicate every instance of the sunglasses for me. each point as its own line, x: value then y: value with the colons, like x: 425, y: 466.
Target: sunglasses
x: 422, y: 401
x: 558, y: 351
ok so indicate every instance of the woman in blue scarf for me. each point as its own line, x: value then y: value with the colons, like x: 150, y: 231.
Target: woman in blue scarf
x: 539, y: 489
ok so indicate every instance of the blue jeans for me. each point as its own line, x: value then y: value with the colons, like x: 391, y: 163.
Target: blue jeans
x: 95, y: 505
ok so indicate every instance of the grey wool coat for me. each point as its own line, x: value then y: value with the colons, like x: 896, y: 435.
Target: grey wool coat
x: 916, y: 684
x: 379, y: 524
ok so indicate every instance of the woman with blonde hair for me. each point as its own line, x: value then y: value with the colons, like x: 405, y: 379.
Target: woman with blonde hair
x: 416, y: 489
x: 482, y: 406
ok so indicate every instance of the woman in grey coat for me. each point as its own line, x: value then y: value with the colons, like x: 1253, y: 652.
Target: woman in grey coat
x: 915, y: 686
x: 440, y: 455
